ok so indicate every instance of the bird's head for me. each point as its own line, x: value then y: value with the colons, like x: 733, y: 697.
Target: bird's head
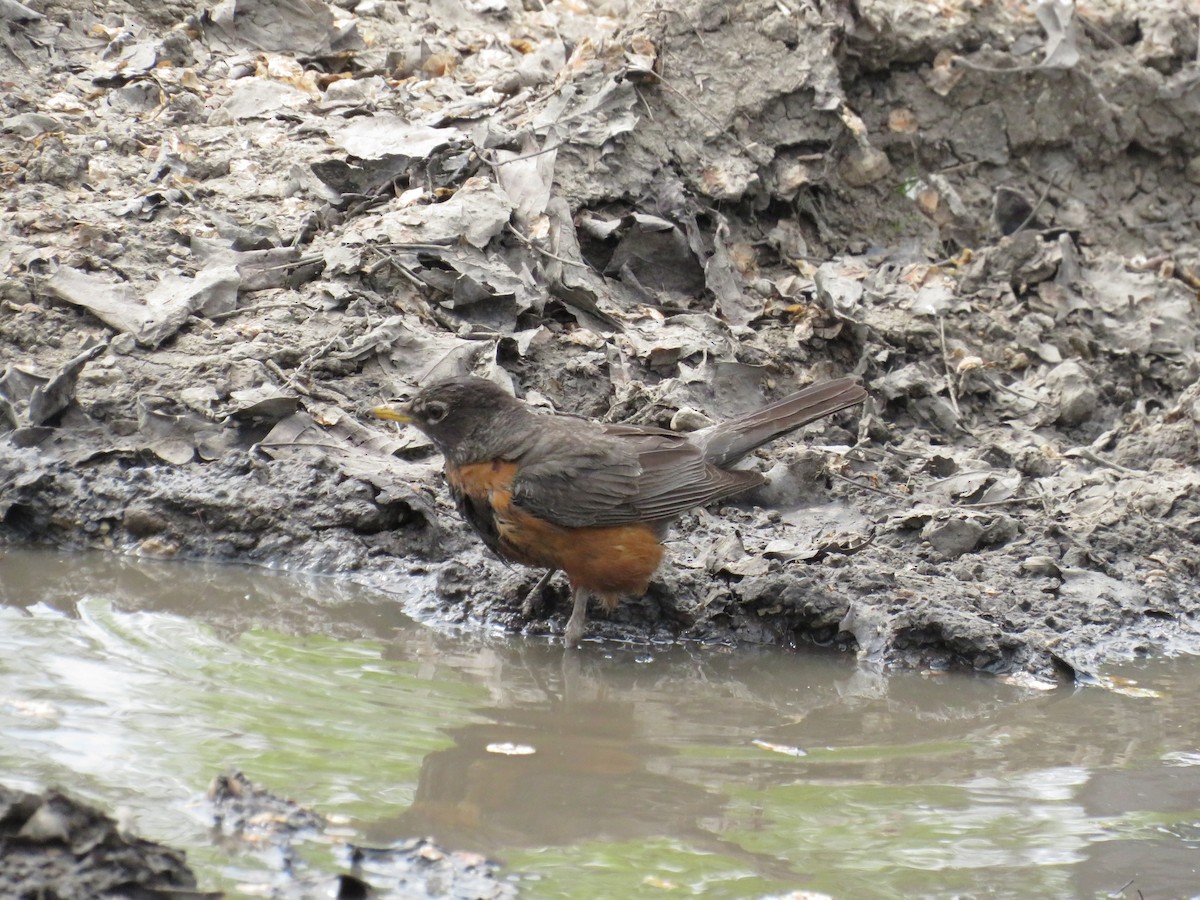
x: 453, y: 412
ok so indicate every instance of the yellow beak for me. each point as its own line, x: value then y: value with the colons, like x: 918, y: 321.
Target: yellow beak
x: 393, y: 414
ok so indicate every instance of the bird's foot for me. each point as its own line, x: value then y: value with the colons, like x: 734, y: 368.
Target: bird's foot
x: 532, y: 602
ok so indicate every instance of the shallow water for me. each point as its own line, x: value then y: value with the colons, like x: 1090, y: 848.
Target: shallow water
x: 615, y: 771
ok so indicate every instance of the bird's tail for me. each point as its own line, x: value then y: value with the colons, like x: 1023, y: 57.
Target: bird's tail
x: 727, y: 442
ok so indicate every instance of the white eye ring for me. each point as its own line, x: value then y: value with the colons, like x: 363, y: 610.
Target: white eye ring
x: 435, y: 412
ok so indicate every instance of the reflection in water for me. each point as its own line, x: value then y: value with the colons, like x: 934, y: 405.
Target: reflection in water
x: 231, y: 599
x: 576, y: 767
x: 725, y: 771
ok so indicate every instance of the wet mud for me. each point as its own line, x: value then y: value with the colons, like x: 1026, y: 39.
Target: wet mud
x: 226, y: 237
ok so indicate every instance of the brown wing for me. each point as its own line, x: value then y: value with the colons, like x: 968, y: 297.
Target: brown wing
x: 591, y: 475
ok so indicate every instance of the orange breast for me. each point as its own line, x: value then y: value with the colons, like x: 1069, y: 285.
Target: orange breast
x: 611, y: 561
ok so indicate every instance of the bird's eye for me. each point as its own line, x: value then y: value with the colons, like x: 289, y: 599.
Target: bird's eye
x: 435, y: 412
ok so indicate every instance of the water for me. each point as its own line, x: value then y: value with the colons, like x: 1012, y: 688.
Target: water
x: 617, y: 771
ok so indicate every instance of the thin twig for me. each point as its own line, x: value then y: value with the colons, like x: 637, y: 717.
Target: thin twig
x: 504, y: 162
x: 695, y: 106
x: 874, y: 490
x: 957, y: 475
x: 532, y: 246
x: 1092, y: 456
x: 402, y: 270
x: 950, y: 386
x: 983, y: 504
x: 1042, y: 199
x: 220, y: 317
x: 320, y: 445
x: 1000, y: 386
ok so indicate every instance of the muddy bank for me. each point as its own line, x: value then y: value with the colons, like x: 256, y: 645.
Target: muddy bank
x: 226, y: 236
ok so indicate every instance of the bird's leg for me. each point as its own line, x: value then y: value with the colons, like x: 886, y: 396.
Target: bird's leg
x: 574, y: 633
x: 533, y: 599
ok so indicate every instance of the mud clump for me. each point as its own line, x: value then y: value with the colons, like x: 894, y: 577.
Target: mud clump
x: 54, y: 846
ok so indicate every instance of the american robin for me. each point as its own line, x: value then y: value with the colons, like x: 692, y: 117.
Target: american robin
x: 589, y: 498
